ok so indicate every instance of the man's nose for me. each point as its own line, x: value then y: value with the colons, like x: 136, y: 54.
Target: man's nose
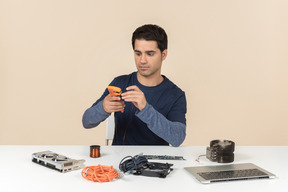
x: 143, y: 59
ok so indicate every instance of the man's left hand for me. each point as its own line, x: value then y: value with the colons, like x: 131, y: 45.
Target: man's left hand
x: 136, y: 96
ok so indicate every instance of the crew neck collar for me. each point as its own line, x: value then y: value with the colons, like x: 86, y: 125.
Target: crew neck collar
x: 149, y: 87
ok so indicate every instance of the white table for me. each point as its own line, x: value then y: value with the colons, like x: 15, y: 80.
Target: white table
x: 18, y: 173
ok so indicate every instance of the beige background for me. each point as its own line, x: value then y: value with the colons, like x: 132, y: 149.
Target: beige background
x: 230, y: 57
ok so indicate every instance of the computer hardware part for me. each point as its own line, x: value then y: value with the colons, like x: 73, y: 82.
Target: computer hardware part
x: 139, y: 165
x: 164, y: 157
x: 230, y: 172
x: 56, y: 161
x: 221, y: 151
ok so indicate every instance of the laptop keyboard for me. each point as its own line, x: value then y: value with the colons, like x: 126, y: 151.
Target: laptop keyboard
x: 232, y: 174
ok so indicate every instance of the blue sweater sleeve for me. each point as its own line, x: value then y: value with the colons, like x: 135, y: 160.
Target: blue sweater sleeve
x: 172, y: 132
x: 94, y: 115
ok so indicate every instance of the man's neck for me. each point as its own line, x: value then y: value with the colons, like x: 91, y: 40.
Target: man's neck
x: 150, y: 81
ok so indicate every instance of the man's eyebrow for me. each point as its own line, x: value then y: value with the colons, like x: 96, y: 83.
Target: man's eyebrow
x: 148, y: 52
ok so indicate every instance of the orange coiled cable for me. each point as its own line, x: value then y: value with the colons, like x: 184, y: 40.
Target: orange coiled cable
x: 99, y: 173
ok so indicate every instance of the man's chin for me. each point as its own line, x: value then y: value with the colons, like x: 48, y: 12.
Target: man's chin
x: 145, y: 73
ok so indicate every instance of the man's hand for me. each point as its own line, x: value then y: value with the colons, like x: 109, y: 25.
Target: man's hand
x: 136, y: 96
x: 113, y: 104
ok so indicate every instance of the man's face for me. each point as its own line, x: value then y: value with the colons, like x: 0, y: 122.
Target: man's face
x: 148, y: 57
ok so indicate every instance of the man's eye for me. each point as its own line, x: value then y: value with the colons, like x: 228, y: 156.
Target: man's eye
x: 150, y: 54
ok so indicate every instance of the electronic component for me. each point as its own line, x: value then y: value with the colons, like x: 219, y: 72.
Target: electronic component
x: 221, y: 151
x: 153, y: 169
x: 57, y: 162
x: 164, y: 157
x: 139, y: 165
x: 95, y: 151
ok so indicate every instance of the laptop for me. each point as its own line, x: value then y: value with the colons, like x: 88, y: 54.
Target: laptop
x: 231, y: 172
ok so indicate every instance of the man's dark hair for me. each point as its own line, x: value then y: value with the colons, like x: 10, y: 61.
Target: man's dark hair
x: 151, y: 32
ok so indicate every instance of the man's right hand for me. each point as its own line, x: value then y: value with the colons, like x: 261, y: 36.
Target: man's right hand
x: 113, y: 104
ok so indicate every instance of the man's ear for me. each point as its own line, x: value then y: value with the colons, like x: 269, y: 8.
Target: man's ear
x: 164, y: 54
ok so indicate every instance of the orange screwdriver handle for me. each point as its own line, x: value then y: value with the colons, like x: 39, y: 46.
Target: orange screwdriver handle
x: 115, y: 91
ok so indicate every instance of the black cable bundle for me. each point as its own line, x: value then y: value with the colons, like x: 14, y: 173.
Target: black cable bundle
x: 139, y: 165
x: 130, y: 163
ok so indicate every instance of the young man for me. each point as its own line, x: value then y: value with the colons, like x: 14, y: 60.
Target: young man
x: 154, y: 107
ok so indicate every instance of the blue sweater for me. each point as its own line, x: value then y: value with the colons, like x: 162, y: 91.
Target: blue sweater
x: 161, y: 122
